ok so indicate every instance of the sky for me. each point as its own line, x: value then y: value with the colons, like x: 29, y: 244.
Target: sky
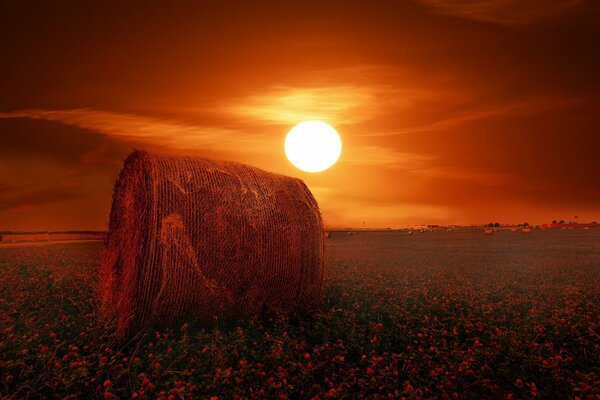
x: 450, y: 112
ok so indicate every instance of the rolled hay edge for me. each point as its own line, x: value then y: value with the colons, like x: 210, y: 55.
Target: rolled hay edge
x: 190, y: 235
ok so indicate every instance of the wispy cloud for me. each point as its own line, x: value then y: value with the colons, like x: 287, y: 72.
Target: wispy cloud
x: 503, y: 12
x: 517, y: 108
x: 149, y: 129
x: 386, y: 157
x: 177, y: 135
x: 288, y: 105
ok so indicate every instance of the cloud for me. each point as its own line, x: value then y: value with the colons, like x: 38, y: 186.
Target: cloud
x: 382, y: 90
x: 532, y: 106
x: 503, y: 12
x: 385, y: 157
x: 148, y: 129
x: 288, y: 105
x: 177, y: 135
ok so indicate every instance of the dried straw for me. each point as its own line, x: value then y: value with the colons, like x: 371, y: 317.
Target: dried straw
x: 210, y: 238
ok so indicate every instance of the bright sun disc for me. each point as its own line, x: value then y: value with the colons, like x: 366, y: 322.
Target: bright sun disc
x: 313, y: 146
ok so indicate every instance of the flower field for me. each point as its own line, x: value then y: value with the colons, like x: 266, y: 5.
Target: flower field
x: 443, y: 315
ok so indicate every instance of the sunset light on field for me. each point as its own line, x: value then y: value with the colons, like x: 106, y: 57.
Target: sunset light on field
x: 340, y: 199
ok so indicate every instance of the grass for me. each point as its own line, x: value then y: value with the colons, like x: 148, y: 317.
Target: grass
x: 435, y: 315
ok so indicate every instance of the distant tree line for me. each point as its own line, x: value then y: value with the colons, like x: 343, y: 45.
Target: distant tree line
x: 497, y: 224
x: 493, y: 225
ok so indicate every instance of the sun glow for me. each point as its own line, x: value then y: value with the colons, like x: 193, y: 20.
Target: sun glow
x: 313, y: 146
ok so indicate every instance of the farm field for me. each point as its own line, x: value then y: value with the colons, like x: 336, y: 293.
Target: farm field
x: 440, y: 315
x: 27, y: 238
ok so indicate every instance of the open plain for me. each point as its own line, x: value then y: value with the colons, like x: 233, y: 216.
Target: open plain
x: 430, y: 315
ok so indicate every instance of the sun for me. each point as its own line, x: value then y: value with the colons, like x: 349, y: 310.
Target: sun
x: 313, y: 146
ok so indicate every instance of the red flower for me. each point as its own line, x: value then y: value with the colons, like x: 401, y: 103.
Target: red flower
x: 147, y: 384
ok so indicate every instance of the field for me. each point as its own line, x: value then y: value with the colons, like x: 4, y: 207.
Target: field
x: 433, y: 315
x: 27, y: 238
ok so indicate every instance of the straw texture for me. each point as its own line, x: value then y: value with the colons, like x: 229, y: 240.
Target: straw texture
x: 210, y: 238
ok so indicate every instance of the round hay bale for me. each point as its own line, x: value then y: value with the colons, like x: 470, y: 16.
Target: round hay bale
x: 208, y: 238
x: 488, y: 232
x: 526, y: 230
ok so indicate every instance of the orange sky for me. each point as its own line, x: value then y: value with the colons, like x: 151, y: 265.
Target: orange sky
x: 450, y: 112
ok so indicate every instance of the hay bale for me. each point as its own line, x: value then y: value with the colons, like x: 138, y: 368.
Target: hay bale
x: 209, y: 238
x: 526, y: 230
x: 488, y: 232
